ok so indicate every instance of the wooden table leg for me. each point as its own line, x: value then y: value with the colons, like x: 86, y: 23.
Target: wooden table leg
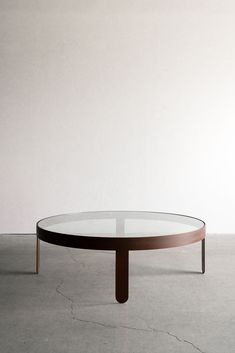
x: 203, y: 255
x: 122, y: 274
x: 37, y: 255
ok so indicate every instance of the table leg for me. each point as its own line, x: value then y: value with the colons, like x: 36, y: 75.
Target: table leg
x: 203, y: 255
x: 122, y: 274
x: 37, y: 255
x: 120, y: 226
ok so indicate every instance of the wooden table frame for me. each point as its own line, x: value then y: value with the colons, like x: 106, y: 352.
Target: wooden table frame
x: 122, y: 246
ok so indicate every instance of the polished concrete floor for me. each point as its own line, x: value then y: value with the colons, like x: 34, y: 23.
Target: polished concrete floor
x: 70, y: 306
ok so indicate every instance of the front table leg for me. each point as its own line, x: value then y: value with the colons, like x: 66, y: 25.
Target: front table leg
x: 122, y: 274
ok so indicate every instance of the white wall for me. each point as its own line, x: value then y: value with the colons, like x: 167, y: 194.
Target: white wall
x: 117, y: 105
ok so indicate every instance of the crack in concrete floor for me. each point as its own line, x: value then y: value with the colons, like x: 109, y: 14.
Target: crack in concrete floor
x: 149, y: 328
x: 177, y: 338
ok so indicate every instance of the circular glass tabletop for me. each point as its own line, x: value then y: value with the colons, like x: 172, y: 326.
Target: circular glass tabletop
x: 120, y: 224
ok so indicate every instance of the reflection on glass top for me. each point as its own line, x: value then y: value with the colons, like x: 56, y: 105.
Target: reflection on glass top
x: 121, y: 224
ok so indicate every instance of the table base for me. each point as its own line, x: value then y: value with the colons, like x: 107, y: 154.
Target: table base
x: 122, y: 270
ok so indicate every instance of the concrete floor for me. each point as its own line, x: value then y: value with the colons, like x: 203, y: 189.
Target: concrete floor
x: 70, y: 306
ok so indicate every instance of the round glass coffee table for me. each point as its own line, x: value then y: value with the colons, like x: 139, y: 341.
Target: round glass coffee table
x: 121, y: 231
